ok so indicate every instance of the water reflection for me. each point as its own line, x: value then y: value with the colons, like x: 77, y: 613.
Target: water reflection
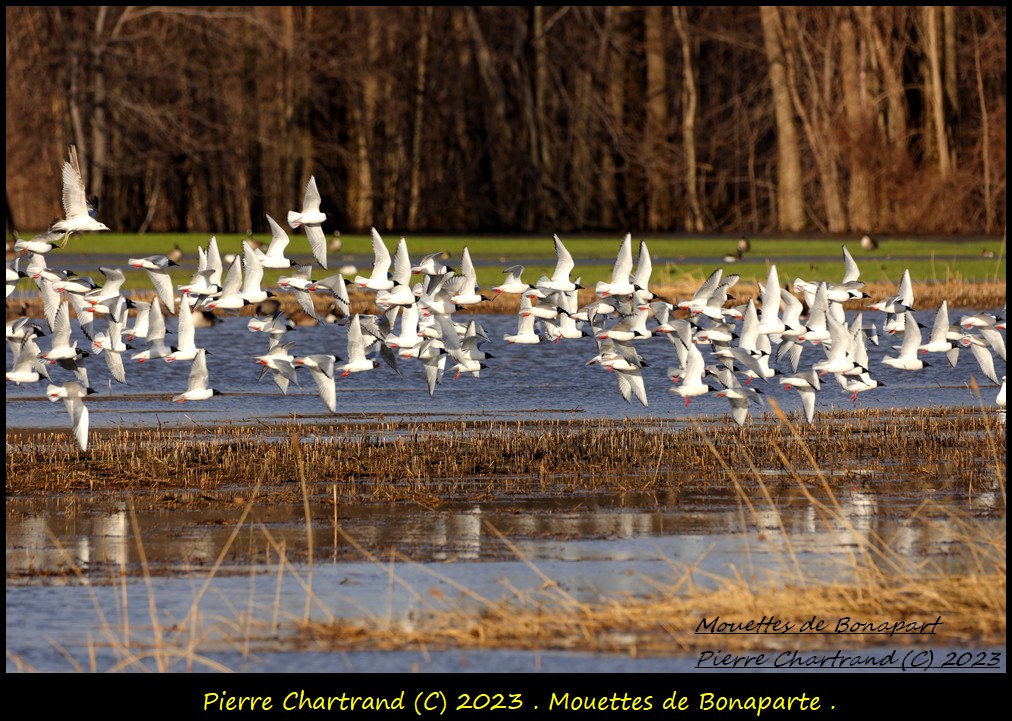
x: 53, y: 536
x: 392, y: 562
x: 35, y: 545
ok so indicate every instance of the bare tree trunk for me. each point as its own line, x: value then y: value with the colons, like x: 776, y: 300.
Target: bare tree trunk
x: 934, y: 90
x: 690, y: 100
x: 790, y: 197
x: 614, y: 42
x: 500, y: 131
x: 99, y: 113
x: 892, y: 110
x: 509, y: 118
x: 860, y: 126
x: 246, y: 164
x: 394, y: 150
x: 816, y: 116
x: 416, y: 139
x: 303, y: 141
x: 153, y: 184
x: 894, y: 113
x: 73, y: 99
x: 288, y: 183
x: 540, y: 147
x: 655, y: 132
x: 363, y: 112
x: 582, y: 173
x: 464, y: 147
x: 949, y: 59
x: 12, y: 226
x: 985, y: 132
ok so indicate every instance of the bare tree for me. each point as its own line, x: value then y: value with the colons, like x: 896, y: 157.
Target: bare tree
x: 562, y: 118
x: 790, y: 205
x: 655, y: 133
x: 690, y: 103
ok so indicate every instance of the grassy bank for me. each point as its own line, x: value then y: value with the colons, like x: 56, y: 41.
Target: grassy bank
x: 678, y: 262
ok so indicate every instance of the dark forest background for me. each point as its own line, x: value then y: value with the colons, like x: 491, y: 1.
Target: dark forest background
x: 546, y: 119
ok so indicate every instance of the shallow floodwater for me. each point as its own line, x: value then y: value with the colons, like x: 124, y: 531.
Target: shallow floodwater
x: 593, y: 546
x: 76, y: 569
x: 522, y: 381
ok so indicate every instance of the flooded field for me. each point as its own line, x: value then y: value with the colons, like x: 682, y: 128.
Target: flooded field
x: 258, y: 548
x: 529, y: 519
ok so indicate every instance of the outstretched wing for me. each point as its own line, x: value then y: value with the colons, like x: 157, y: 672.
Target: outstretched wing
x: 75, y: 200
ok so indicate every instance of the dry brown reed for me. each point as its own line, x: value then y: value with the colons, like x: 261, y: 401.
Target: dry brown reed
x: 972, y: 609
x: 876, y: 585
x: 430, y: 461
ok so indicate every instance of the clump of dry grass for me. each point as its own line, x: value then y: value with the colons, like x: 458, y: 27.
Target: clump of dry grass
x: 972, y: 609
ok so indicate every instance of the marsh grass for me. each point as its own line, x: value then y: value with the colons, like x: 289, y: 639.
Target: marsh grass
x: 958, y: 450
x: 972, y: 607
x: 881, y: 586
x: 438, y: 460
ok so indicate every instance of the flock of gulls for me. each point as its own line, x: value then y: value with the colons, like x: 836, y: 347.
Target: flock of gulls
x: 712, y: 345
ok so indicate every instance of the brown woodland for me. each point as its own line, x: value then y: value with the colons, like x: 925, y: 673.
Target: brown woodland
x: 776, y: 119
